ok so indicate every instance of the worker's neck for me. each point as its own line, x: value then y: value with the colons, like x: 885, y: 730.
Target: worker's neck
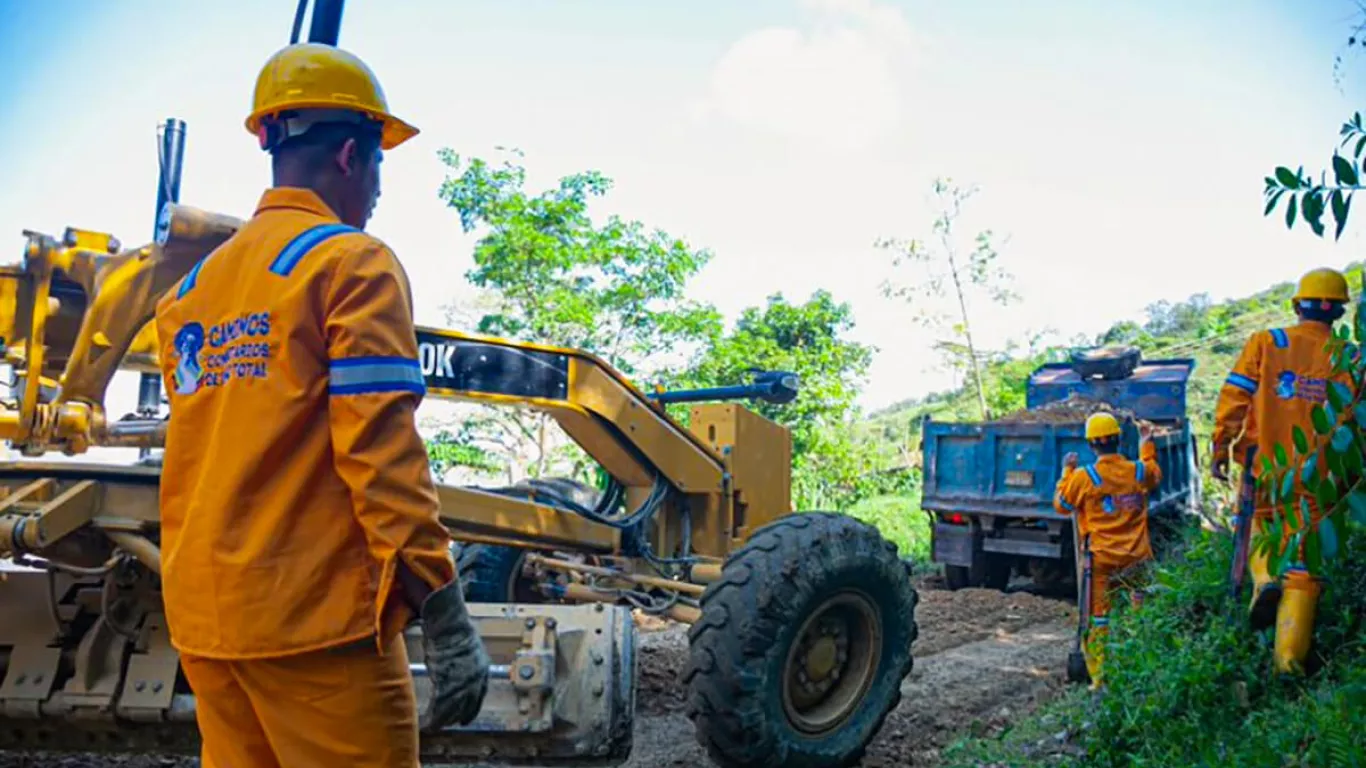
x: 284, y: 178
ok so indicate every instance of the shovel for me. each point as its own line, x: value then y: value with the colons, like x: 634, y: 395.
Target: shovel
x: 1242, y: 528
x: 1076, y: 660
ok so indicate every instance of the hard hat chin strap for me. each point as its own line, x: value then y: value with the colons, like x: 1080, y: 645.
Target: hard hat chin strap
x: 275, y: 130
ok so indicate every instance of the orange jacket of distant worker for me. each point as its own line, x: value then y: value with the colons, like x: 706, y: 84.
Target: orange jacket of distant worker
x: 1280, y: 376
x: 293, y: 346
x: 1110, y: 501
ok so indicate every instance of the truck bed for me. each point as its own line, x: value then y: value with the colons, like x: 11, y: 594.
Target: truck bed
x: 1012, y: 469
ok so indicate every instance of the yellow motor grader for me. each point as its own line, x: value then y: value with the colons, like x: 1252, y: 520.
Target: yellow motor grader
x: 801, y: 624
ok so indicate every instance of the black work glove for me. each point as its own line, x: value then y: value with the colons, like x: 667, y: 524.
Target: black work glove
x: 457, y: 663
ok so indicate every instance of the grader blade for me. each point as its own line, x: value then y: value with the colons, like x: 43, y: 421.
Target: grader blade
x: 82, y: 671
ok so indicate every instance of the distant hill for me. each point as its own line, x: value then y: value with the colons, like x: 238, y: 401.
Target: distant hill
x: 1211, y: 333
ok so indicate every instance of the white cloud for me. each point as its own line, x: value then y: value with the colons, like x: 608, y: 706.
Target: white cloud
x: 834, y: 83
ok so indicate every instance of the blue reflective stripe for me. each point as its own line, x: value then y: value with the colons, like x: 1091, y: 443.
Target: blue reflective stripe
x: 370, y: 375
x: 1063, y: 503
x: 1139, y: 470
x: 306, y: 241
x: 1100, y: 621
x: 1279, y: 337
x: 190, y: 278
x: 1242, y: 382
x: 1095, y: 476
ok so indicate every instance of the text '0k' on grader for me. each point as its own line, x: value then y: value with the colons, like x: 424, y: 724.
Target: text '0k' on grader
x: 801, y: 624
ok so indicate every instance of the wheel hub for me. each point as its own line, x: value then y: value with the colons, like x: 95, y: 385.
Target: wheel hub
x: 831, y: 663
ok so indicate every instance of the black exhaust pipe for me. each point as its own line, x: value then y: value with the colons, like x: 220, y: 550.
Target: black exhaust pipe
x: 326, y: 25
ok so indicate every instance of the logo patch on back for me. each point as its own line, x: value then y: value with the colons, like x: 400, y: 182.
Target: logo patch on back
x: 189, y: 341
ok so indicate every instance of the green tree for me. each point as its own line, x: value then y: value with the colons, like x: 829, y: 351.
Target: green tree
x: 973, y: 274
x: 553, y: 275
x: 808, y: 340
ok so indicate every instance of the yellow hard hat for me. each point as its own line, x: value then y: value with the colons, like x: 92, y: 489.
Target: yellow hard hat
x: 322, y: 77
x: 1101, y: 425
x: 1323, y: 283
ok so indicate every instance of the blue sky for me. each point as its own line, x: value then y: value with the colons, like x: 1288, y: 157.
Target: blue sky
x: 1120, y: 145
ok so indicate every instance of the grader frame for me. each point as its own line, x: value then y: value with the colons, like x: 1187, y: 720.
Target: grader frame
x: 802, y: 624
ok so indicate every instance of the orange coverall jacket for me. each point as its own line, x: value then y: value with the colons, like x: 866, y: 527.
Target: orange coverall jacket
x: 1277, y: 380
x: 1110, y: 501
x: 294, y: 479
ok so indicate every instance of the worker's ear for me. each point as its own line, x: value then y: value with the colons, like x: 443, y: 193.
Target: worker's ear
x: 346, y: 158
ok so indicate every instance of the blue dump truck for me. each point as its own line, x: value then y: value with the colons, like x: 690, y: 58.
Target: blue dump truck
x: 989, y: 486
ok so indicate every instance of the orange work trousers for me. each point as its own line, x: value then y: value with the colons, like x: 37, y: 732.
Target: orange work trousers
x: 1108, y: 577
x: 346, y: 707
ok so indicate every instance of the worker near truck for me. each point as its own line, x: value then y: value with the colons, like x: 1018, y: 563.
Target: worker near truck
x: 1279, y: 377
x: 299, y: 516
x: 1109, y: 499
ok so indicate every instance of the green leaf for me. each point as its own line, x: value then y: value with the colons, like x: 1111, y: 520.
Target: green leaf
x: 1340, y: 205
x: 1339, y: 395
x: 1328, y: 534
x: 1351, y: 463
x: 1361, y: 144
x: 1287, y: 178
x: 1287, y: 485
x: 1359, y: 413
x: 1334, y: 462
x: 1290, y: 212
x: 1271, y: 200
x: 1301, y: 442
x: 1322, y: 424
x: 1356, y: 501
x: 1343, y: 438
x: 1267, y: 467
x: 1327, y: 496
x: 1313, y: 551
x: 1309, y: 207
x: 1309, y: 470
x: 1343, y: 171
x: 1281, y: 458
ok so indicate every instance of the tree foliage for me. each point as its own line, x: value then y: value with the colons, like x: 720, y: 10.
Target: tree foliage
x: 556, y: 276
x: 830, y: 468
x: 614, y: 288
x: 944, y: 269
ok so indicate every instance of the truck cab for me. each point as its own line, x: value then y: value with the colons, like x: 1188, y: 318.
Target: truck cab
x: 989, y: 486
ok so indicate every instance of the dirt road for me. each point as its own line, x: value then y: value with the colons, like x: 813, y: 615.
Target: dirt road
x: 982, y: 659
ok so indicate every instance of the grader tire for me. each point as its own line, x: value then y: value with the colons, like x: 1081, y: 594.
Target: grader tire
x: 807, y: 594
x: 493, y: 574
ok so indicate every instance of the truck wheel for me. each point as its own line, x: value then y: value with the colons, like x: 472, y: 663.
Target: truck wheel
x: 958, y: 577
x: 493, y: 574
x: 998, y: 570
x: 802, y: 645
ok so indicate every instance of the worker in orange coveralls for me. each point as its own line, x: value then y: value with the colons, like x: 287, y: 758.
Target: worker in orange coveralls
x: 1280, y: 376
x: 298, y: 512
x: 1110, y: 501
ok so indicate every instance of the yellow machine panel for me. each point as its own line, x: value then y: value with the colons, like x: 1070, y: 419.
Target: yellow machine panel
x: 758, y: 456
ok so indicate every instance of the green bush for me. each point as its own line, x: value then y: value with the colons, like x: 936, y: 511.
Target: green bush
x: 900, y: 520
x: 1188, y: 683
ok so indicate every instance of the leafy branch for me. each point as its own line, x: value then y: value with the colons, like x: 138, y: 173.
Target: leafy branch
x: 1310, y: 200
x: 1328, y: 464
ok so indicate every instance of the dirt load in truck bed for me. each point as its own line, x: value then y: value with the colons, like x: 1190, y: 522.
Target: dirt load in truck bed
x: 1072, y: 409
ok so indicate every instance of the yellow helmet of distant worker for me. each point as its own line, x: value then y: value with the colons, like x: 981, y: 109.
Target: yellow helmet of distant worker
x: 313, y: 76
x: 1323, y: 284
x: 1100, y: 426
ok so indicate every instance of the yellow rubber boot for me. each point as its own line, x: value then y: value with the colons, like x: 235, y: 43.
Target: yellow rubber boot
x: 1295, y: 621
x: 1094, y: 649
x: 1266, y: 591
